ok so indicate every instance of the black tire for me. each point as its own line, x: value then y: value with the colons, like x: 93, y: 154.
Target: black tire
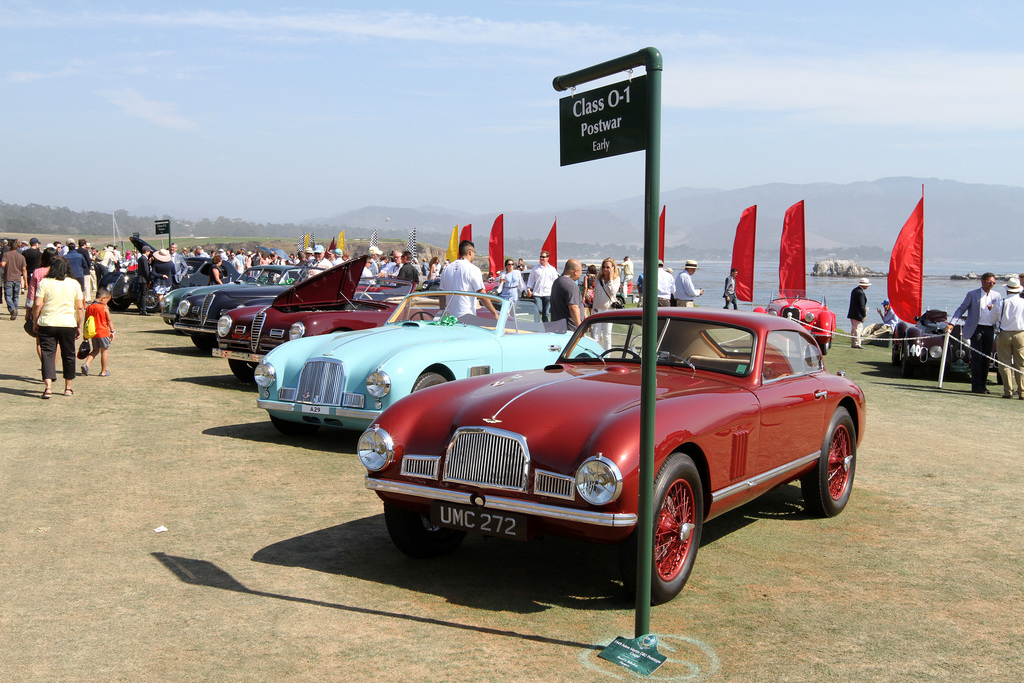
x: 414, y: 535
x: 673, y: 556
x: 825, y: 348
x: 242, y: 370
x: 119, y: 304
x: 289, y: 428
x: 152, y: 302
x: 907, y: 370
x: 895, y: 353
x: 203, y: 342
x: 428, y: 379
x: 827, y: 488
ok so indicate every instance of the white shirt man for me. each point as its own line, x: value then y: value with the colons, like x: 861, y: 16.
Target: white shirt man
x: 685, y: 291
x: 539, y: 284
x: 666, y: 285
x: 462, y: 275
x: 239, y: 261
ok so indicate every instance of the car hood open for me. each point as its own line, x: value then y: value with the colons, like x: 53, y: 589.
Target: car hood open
x: 328, y: 287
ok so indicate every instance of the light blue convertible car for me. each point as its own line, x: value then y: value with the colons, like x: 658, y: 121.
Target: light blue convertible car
x: 346, y: 379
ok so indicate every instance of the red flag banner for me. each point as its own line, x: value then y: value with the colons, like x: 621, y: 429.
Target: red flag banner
x: 467, y: 233
x: 906, y: 268
x: 661, y: 235
x: 743, y: 253
x: 792, y: 260
x: 551, y: 245
x: 496, y: 245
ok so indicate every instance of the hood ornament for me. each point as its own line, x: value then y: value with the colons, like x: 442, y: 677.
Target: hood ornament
x: 492, y: 420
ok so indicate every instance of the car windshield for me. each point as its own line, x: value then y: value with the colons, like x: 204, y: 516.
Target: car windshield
x: 381, y: 289
x: 261, y: 276
x: 689, y: 343
x: 441, y: 308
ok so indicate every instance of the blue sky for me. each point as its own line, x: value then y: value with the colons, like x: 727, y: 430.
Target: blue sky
x: 281, y: 112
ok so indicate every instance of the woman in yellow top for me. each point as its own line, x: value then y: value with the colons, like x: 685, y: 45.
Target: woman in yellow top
x: 57, y: 314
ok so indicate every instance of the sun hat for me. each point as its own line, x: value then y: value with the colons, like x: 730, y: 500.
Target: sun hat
x: 375, y: 250
x: 319, y: 249
x: 1013, y: 286
x: 864, y: 282
x: 691, y: 264
x: 308, y: 250
x: 162, y: 255
x: 885, y: 302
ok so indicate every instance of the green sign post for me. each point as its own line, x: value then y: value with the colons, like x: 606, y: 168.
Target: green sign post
x: 650, y: 109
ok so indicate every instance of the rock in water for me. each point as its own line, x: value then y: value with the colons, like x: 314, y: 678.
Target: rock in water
x: 843, y: 268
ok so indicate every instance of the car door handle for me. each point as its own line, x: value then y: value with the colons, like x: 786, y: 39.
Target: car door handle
x: 554, y: 348
x: 820, y: 393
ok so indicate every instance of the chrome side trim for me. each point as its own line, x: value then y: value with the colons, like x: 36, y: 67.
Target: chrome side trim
x: 722, y: 494
x: 238, y: 355
x: 608, y: 519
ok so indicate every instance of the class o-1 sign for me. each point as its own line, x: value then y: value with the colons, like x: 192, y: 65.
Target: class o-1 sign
x: 603, y: 122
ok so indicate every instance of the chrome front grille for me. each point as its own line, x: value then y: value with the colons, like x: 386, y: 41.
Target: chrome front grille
x: 423, y: 466
x: 257, y: 327
x: 321, y: 383
x: 556, y: 485
x: 487, y: 457
x: 205, y: 310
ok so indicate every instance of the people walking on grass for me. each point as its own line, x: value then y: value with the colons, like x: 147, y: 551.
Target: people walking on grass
x: 510, y: 282
x: 57, y: 314
x: 16, y: 275
x: 99, y: 313
x: 606, y: 297
x: 538, y: 285
x: 1010, y: 340
x: 857, y: 312
x: 982, y: 309
x: 684, y: 289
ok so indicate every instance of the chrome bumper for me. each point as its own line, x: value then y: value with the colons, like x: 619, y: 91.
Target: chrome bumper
x: 238, y: 355
x: 366, y: 415
x: 192, y: 329
x: 608, y: 519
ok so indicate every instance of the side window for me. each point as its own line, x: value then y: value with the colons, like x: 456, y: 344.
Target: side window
x: 788, y: 353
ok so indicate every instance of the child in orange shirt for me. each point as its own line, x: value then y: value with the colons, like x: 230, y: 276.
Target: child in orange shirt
x: 104, y: 332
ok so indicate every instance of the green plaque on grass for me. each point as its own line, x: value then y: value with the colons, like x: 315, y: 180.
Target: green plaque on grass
x: 639, y: 654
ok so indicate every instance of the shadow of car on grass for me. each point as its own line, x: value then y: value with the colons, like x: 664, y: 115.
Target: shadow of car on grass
x: 497, y: 574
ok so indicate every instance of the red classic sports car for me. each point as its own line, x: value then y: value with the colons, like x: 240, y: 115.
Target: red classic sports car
x: 335, y: 300
x: 744, y: 405
x: 814, y: 315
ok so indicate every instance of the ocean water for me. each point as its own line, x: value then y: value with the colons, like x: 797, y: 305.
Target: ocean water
x: 939, y: 291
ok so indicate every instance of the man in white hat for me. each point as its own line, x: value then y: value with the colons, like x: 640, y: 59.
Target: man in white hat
x: 1010, y: 340
x: 858, y: 311
x: 685, y: 291
x: 374, y: 263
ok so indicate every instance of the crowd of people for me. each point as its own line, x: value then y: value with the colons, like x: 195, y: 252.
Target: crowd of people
x: 63, y: 291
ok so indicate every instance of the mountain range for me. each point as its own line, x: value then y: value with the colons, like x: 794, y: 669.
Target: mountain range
x: 962, y: 220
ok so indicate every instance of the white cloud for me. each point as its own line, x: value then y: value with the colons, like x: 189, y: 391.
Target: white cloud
x: 934, y: 90
x: 160, y: 113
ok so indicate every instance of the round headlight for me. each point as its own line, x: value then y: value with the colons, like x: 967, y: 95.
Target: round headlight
x: 808, y: 317
x: 183, y: 308
x: 264, y: 374
x: 378, y: 384
x: 296, y: 331
x: 375, y: 449
x: 599, y: 481
x: 223, y: 325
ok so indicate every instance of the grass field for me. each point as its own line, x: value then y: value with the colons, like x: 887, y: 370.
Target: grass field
x: 276, y: 564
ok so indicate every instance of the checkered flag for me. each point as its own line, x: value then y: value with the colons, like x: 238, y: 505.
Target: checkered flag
x: 411, y: 244
x: 312, y: 239
x: 373, y: 239
x: 299, y: 245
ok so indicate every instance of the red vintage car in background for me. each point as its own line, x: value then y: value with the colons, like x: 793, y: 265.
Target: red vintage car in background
x: 336, y: 300
x: 813, y: 314
x: 744, y: 405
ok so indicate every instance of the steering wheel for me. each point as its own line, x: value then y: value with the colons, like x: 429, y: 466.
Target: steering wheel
x: 624, y: 351
x: 422, y: 315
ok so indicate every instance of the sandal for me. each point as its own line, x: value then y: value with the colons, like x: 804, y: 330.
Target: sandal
x: 105, y: 373
x: 85, y: 370
x: 69, y: 392
x: 47, y: 393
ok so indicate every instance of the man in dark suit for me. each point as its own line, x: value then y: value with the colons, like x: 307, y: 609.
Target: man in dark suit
x: 858, y: 311
x: 982, y: 308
